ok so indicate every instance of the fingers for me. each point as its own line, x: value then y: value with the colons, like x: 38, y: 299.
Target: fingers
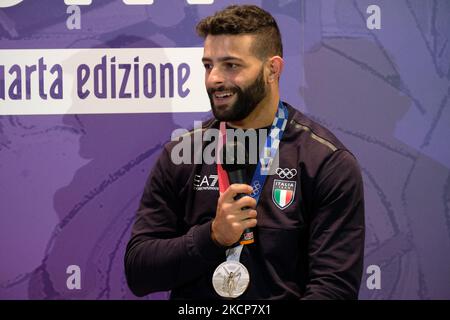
x: 249, y: 214
x: 241, y: 216
x: 246, y: 202
x: 250, y: 218
x: 227, y: 227
x: 240, y: 207
x: 233, y: 190
x: 247, y: 219
x: 241, y: 224
x: 249, y: 223
x: 233, y: 216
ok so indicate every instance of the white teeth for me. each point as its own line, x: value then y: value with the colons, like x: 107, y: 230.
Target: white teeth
x: 224, y: 95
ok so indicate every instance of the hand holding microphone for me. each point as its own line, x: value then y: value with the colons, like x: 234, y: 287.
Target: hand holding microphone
x: 235, y: 214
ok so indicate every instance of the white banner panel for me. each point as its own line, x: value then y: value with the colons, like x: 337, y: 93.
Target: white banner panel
x: 98, y: 80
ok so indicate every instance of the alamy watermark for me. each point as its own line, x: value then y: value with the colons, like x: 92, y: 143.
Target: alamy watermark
x: 202, y: 146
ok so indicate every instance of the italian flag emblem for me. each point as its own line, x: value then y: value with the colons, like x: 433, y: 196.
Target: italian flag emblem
x: 283, y: 193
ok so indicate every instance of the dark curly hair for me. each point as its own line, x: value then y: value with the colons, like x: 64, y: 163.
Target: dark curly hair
x: 245, y: 19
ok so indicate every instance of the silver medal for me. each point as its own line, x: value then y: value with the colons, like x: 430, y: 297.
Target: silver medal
x: 230, y: 279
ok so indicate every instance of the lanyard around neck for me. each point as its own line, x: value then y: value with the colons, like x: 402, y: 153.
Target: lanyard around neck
x: 266, y: 155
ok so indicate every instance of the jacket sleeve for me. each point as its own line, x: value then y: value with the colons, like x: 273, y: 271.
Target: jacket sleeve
x: 336, y: 230
x: 158, y: 256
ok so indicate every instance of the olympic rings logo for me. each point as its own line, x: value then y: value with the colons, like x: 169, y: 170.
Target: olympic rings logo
x: 286, y: 173
x: 256, y: 188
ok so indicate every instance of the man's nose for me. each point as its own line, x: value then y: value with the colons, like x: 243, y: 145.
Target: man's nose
x: 214, y: 77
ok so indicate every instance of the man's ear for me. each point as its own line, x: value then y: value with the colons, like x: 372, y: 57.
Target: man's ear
x: 276, y: 64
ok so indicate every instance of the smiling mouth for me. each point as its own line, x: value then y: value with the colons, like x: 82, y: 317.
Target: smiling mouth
x: 223, y: 96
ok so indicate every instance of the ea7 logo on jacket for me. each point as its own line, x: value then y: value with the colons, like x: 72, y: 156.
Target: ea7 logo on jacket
x: 283, y: 193
x: 206, y: 182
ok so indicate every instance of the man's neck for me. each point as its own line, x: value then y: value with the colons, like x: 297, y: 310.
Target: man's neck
x: 262, y: 116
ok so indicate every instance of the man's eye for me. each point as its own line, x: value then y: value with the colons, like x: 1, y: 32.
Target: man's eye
x: 232, y: 65
x: 207, y: 66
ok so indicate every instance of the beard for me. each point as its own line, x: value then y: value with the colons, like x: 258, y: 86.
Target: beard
x: 247, y: 100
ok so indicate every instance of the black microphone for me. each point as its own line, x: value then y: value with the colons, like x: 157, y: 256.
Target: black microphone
x: 235, y: 161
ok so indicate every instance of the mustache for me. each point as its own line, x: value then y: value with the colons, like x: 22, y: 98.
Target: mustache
x: 222, y: 88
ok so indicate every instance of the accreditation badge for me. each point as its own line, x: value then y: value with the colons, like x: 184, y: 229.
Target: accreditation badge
x: 230, y: 279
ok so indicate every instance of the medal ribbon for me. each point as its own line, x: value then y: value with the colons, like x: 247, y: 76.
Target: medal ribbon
x: 262, y: 169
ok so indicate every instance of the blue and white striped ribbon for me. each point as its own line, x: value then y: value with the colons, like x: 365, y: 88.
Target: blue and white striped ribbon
x: 269, y: 151
x: 263, y: 168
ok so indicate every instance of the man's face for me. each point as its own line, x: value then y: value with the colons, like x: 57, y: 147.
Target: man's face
x: 234, y: 76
